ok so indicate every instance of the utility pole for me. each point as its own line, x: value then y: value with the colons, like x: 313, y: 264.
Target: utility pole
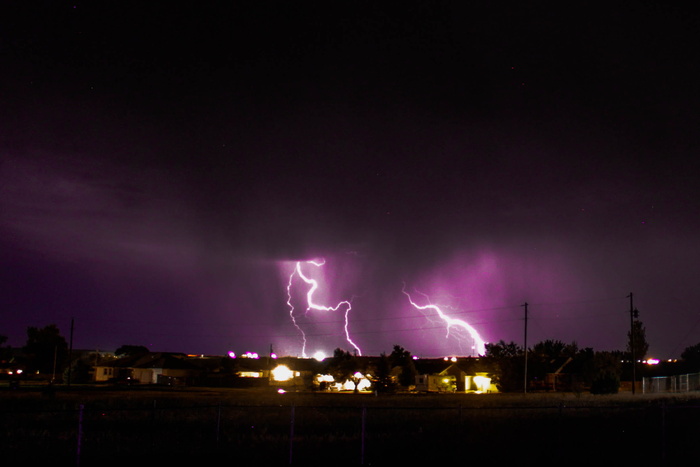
x: 525, y: 345
x: 270, y: 358
x: 55, y: 353
x: 633, y: 314
x: 70, y: 351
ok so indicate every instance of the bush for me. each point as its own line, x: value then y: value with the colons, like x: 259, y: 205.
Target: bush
x: 606, y: 384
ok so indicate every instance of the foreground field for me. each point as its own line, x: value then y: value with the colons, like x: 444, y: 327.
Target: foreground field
x: 103, y: 426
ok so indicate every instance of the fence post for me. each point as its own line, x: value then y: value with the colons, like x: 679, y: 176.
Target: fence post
x: 153, y: 425
x: 218, y: 424
x: 362, y: 439
x: 291, y: 436
x: 80, y: 435
x: 559, y: 428
x: 663, y: 432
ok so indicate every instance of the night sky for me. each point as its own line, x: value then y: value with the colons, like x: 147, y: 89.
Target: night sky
x: 163, y: 168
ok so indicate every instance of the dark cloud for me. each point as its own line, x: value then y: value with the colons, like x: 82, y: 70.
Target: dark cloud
x: 164, y: 167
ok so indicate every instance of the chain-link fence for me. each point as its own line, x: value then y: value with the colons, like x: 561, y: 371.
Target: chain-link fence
x: 671, y: 384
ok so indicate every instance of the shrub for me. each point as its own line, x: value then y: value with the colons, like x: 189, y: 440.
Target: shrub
x: 608, y: 383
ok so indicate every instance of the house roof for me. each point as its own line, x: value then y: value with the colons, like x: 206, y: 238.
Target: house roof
x: 172, y: 360
x: 168, y: 360
x: 254, y: 364
x: 467, y: 365
x: 301, y: 364
x: 123, y: 362
x: 429, y: 366
x: 207, y: 363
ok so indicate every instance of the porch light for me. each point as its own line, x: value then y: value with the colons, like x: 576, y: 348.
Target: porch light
x: 282, y: 373
x: 482, y: 383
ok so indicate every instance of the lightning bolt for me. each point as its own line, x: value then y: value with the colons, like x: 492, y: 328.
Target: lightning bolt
x: 479, y: 343
x: 311, y: 305
x: 291, y: 311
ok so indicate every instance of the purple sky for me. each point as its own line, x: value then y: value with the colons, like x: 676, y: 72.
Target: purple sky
x: 162, y: 169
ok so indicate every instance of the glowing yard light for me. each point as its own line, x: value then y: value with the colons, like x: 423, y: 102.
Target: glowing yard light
x: 282, y: 373
x: 482, y: 383
x: 311, y: 305
x: 359, y: 382
x: 364, y: 384
x: 479, y: 344
x: 324, y: 378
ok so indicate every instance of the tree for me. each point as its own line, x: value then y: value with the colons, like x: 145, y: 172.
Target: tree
x: 5, y: 352
x: 503, y: 349
x: 128, y: 350
x: 46, y: 350
x: 402, y: 358
x: 607, y: 370
x: 382, y: 380
x: 547, y: 357
x: 554, y: 349
x: 691, y: 358
x: 78, y: 372
x: 343, y: 366
x: 582, y: 368
x: 638, y: 336
x: 505, y: 360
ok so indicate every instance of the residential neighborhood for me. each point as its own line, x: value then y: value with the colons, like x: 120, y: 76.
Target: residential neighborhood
x: 358, y: 373
x: 478, y: 375
x: 549, y: 366
x: 291, y: 373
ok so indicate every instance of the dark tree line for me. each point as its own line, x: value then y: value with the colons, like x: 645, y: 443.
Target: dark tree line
x: 600, y: 371
x: 46, y: 352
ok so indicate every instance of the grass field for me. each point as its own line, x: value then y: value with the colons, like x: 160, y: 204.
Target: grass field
x: 142, y: 426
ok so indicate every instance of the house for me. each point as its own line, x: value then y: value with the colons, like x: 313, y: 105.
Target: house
x: 453, y: 375
x: 290, y: 372
x: 109, y: 368
x: 150, y: 368
x: 168, y: 369
x: 436, y: 383
x: 252, y: 372
x: 468, y: 376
